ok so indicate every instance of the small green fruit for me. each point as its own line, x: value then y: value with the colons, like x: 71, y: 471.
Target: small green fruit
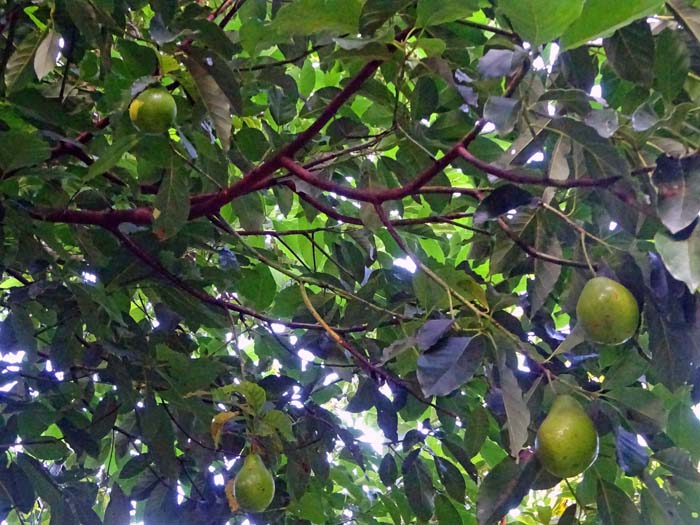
x: 607, y: 311
x: 153, y: 110
x: 254, y: 486
x: 567, y: 441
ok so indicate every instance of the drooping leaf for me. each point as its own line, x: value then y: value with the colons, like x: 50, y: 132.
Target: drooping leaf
x: 388, y: 472
x: 504, y: 488
x: 47, y: 54
x: 631, y: 456
x: 671, y: 63
x: 449, y: 364
x: 451, y: 478
x: 172, y: 206
x: 517, y: 412
x: 119, y: 507
x: 215, y: 100
x: 418, y: 486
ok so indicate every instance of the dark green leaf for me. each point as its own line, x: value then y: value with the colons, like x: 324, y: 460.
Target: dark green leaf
x: 631, y: 52
x: 424, y: 99
x: 678, y: 462
x: 445, y: 511
x: 449, y: 364
x: 451, y: 478
x: 671, y: 63
x: 388, y: 472
x: 108, y: 159
x: 119, y: 507
x: 172, y: 205
x: 503, y: 112
x: 614, y: 506
x: 504, y: 488
x: 631, y: 456
x: 418, y: 486
x: 503, y: 199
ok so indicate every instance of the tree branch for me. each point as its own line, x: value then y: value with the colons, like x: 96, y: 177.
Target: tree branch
x: 205, y: 297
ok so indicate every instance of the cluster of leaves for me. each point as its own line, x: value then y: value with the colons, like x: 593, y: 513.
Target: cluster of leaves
x: 253, y: 262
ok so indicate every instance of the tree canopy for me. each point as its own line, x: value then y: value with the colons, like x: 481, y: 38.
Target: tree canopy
x: 357, y: 253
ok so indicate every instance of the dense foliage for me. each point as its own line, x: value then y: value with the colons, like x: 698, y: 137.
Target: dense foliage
x: 360, y: 247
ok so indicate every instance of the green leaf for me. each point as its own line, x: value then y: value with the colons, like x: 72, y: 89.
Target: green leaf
x: 503, y: 112
x: 449, y: 364
x: 504, y: 488
x: 434, y: 12
x: 424, y: 99
x: 388, y: 472
x: 19, y: 68
x: 517, y: 412
x: 630, y: 51
x: 445, y: 512
x: 332, y: 16
x: 119, y: 507
x: 20, y: 149
x: 476, y: 431
x: 47, y: 54
x: 688, y: 15
x: 546, y: 273
x: 602, y: 18
x: 255, y: 395
x: 215, y: 100
x: 418, y: 486
x: 541, y: 21
x: 158, y: 434
x: 677, y: 184
x: 250, y: 210
x: 671, y: 63
x: 681, y: 257
x: 614, y: 506
x: 451, y: 478
x: 112, y: 155
x: 15, y: 483
x: 281, y: 422
x: 601, y: 158
x: 172, y: 205
x: 376, y: 12
x: 257, y: 286
x: 678, y: 462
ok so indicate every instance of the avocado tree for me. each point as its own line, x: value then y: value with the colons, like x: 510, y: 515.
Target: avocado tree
x: 343, y: 243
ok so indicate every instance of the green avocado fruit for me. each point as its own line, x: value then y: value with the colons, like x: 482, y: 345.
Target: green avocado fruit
x: 254, y: 486
x: 607, y: 311
x: 567, y: 441
x: 153, y: 110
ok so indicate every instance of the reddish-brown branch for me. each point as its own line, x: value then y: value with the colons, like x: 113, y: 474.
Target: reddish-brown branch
x: 519, y: 178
